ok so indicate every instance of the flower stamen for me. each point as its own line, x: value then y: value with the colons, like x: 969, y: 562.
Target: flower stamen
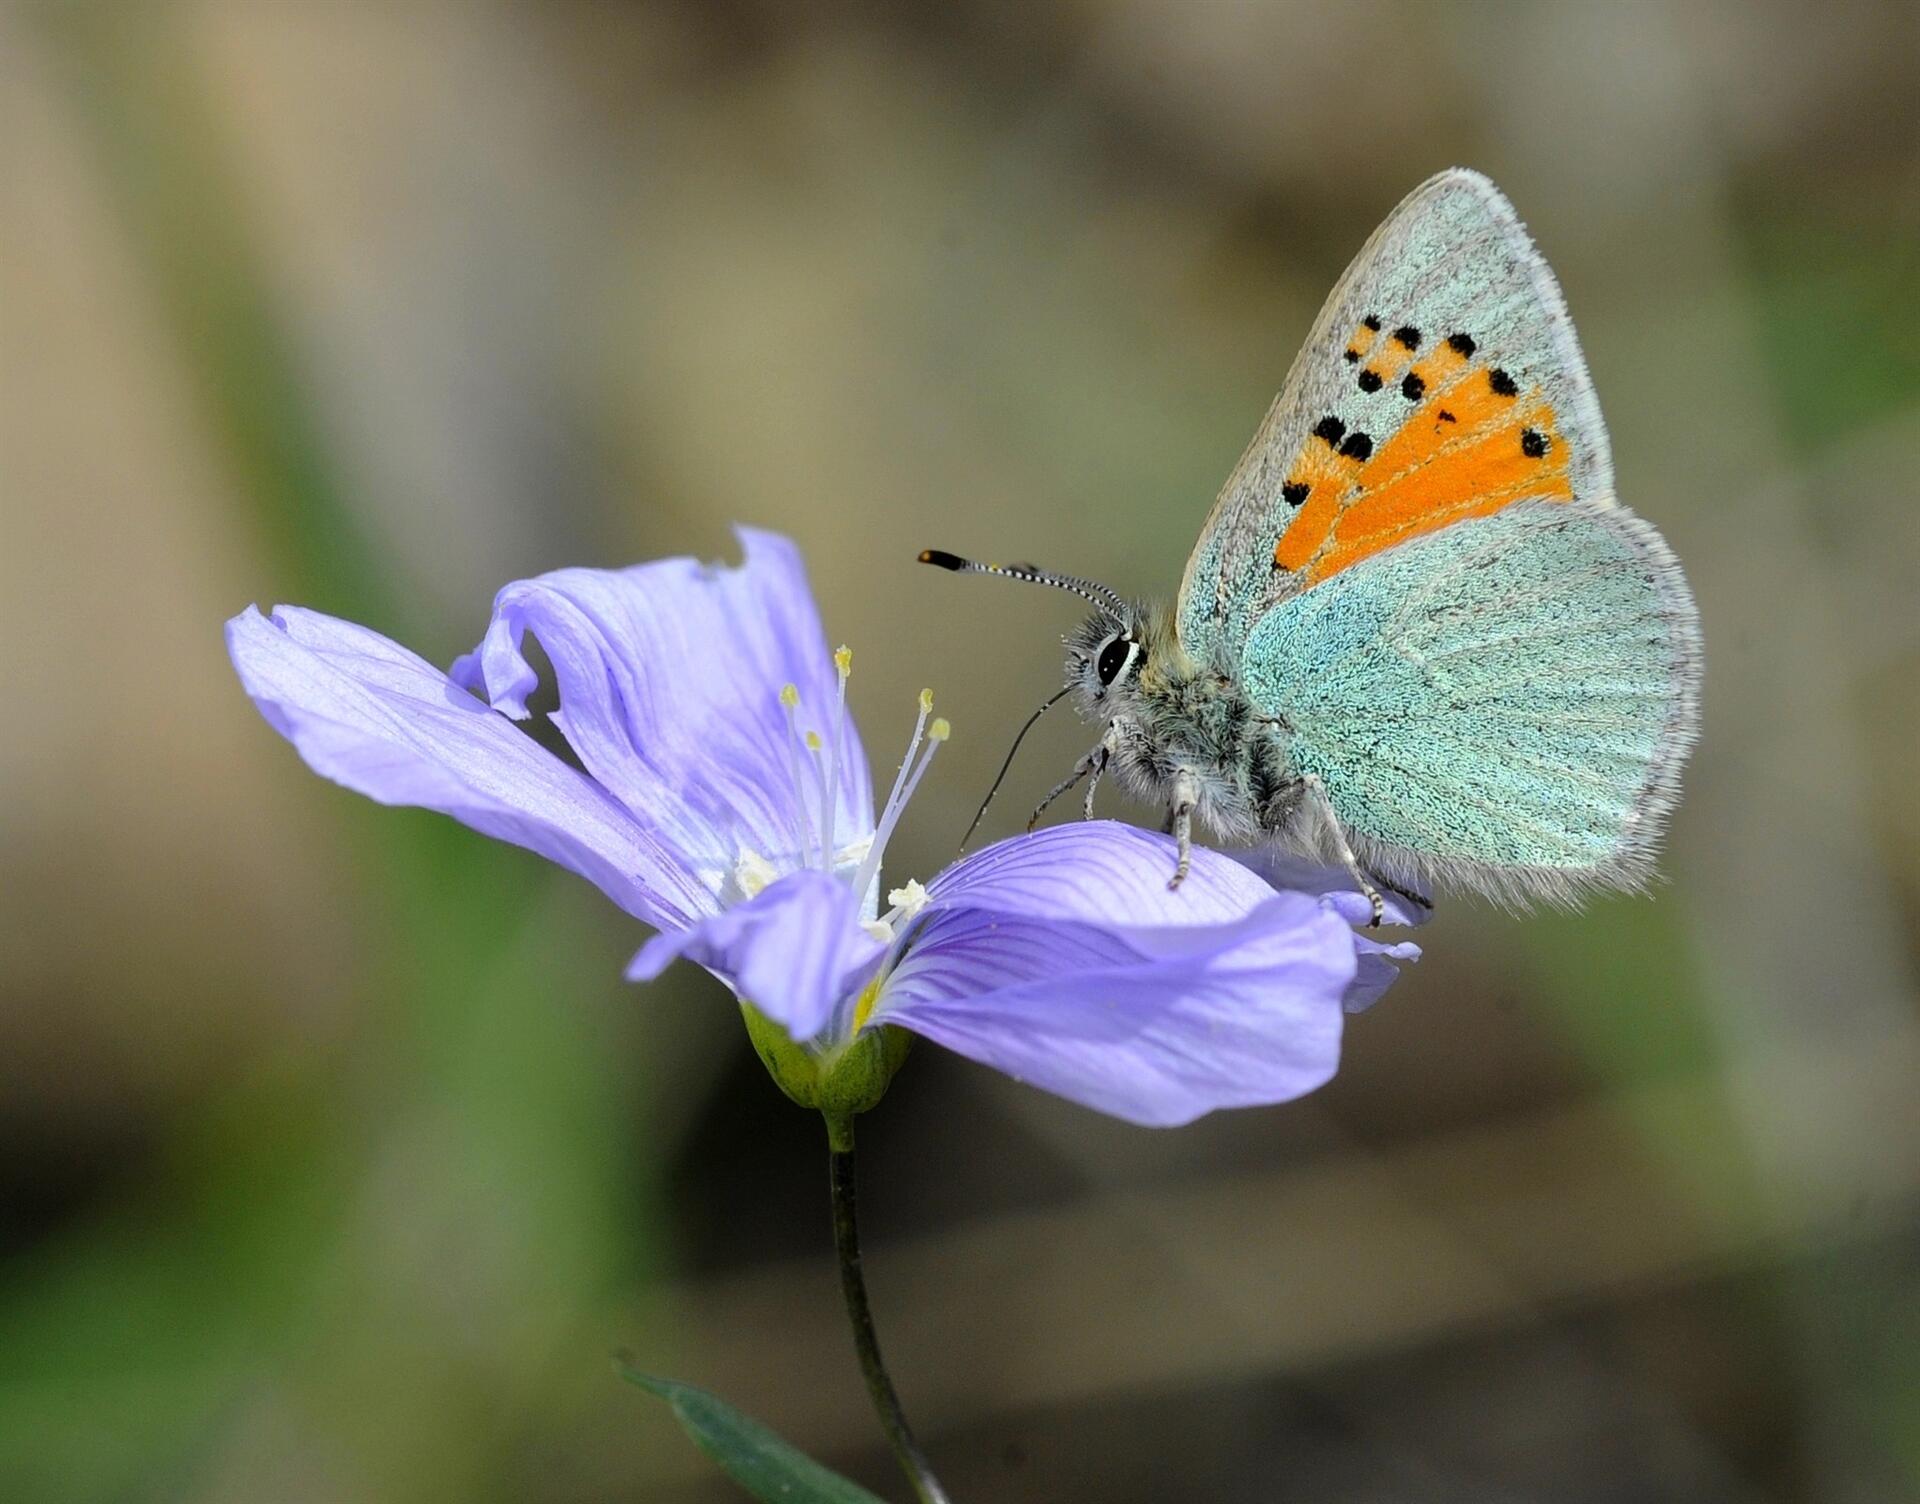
x: 903, y: 788
x: 843, y: 671
x: 816, y: 764
x: 790, y: 703
x: 913, y: 746
x: 907, y: 901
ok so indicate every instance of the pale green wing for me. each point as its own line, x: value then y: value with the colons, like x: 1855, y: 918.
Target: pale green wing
x: 1503, y: 705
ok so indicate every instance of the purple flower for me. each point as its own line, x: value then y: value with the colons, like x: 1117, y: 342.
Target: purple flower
x: 725, y: 801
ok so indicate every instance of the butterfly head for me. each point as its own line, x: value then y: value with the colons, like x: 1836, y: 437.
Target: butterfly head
x: 1105, y: 656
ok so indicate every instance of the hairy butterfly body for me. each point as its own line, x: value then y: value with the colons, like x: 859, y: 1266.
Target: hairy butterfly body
x: 1417, y: 635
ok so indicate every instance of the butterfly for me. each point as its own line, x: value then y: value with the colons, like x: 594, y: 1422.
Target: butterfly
x: 1418, y: 635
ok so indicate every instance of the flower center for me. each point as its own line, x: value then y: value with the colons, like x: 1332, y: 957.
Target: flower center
x: 816, y: 780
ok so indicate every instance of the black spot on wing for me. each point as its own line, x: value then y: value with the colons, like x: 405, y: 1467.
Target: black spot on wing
x: 1461, y: 344
x: 1351, y: 357
x: 1294, y: 492
x: 1502, y: 383
x: 1369, y: 381
x: 1357, y: 447
x: 1412, y: 387
x: 1372, y: 321
x: 1330, y: 429
x: 1446, y: 417
x: 1408, y: 336
x: 1533, y: 443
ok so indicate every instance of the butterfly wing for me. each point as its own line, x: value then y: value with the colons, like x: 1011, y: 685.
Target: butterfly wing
x: 1503, y: 704
x: 1441, y: 381
x: 1419, y: 569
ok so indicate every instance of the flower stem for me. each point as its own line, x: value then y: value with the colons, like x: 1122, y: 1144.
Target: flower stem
x: 866, y: 1342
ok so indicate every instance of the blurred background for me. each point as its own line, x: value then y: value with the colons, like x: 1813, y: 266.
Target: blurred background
x: 338, y: 1158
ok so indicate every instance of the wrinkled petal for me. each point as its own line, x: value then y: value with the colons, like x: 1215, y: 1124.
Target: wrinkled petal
x: 1153, y: 1026
x: 1377, y: 971
x: 366, y: 713
x: 794, y: 952
x: 669, y: 676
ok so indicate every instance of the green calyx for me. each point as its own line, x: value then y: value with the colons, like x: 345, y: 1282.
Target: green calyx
x: 839, y: 1083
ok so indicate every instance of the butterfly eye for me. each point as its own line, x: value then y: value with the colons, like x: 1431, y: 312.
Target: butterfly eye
x: 1114, y: 658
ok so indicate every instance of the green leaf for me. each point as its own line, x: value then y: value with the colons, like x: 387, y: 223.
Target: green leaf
x: 750, y: 1454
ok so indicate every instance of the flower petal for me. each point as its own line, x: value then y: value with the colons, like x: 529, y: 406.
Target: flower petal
x: 1376, y: 971
x: 670, y: 676
x: 1102, y: 872
x: 1335, y: 886
x: 1296, y: 873
x: 1153, y: 1026
x: 368, y: 714
x: 795, y: 952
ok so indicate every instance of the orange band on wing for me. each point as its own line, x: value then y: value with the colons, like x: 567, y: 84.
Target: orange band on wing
x: 1471, y: 444
x: 1319, y: 484
x: 1486, y: 461
x: 1351, y: 551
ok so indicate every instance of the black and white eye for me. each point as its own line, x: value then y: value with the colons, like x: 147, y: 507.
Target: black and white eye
x: 1114, y: 658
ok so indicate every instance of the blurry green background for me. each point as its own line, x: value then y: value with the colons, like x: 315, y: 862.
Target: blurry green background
x: 337, y: 1157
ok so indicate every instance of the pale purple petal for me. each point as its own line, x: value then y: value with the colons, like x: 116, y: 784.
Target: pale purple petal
x: 1156, y: 1027
x: 669, y: 676
x: 1296, y: 873
x: 794, y: 951
x: 1103, y: 872
x: 1377, y: 971
x: 1063, y: 959
x: 366, y: 713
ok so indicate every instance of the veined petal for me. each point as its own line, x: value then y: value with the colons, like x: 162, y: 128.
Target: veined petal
x: 795, y: 952
x: 1157, y: 1025
x: 670, y: 676
x: 1102, y: 872
x: 366, y: 713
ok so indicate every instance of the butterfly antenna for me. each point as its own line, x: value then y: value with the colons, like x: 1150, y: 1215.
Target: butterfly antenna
x: 1087, y: 590
x: 1000, y: 777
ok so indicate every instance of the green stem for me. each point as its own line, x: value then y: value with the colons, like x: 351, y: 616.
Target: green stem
x: 866, y: 1342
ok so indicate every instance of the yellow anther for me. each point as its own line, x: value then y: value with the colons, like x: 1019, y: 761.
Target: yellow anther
x: 790, y: 696
x: 813, y: 741
x: 939, y: 731
x: 843, y: 661
x: 926, y: 702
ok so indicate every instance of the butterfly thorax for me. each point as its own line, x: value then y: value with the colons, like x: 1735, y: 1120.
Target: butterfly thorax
x: 1166, y: 713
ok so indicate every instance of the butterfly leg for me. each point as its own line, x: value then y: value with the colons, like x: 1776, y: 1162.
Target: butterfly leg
x: 1093, y: 763
x: 1419, y: 901
x: 1186, y: 794
x: 1099, y: 755
x: 1337, y: 837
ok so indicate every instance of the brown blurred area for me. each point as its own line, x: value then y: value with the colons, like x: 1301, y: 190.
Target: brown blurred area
x: 337, y: 1156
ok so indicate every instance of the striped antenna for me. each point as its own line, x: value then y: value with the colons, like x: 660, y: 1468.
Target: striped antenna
x: 1087, y: 590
